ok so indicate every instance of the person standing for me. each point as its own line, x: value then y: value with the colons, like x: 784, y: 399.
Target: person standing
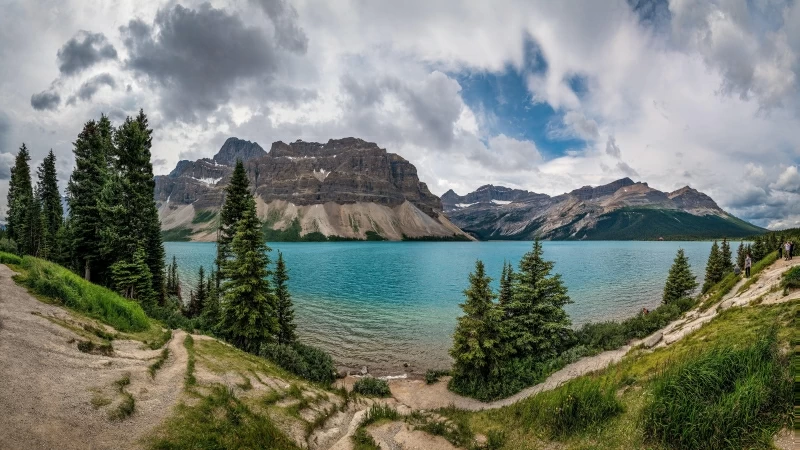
x: 780, y: 250
x: 747, y: 263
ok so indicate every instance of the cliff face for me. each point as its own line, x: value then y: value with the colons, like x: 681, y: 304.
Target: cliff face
x: 623, y: 209
x: 343, y: 188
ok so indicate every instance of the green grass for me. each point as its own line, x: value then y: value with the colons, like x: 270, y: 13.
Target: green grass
x: 190, y: 379
x: 204, y: 216
x: 219, y: 421
x: 791, y: 279
x: 55, y: 282
x: 158, y: 363
x: 432, y: 375
x: 721, y: 289
x: 91, y: 347
x: 127, y: 405
x: 9, y: 258
x: 177, y: 235
x: 728, y: 397
x: 372, y: 387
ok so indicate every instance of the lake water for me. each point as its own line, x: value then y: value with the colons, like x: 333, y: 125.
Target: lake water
x: 383, y: 304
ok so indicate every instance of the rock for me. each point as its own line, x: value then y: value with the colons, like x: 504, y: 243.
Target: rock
x: 405, y: 364
x: 364, y: 370
x: 481, y: 440
x: 652, y: 340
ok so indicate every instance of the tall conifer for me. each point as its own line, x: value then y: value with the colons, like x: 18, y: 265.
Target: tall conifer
x: 726, y: 257
x: 714, y: 268
x: 284, y: 310
x: 20, y: 201
x: 680, y: 281
x: 50, y: 199
x: 237, y: 196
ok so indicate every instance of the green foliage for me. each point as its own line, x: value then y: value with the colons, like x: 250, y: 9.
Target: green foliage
x: 50, y: 199
x: 173, y: 282
x: 179, y: 234
x: 790, y: 279
x: 728, y: 397
x: 726, y: 256
x: 9, y: 258
x: 651, y: 224
x: 53, y: 281
x: 372, y: 387
x: 248, y: 317
x: 104, y: 348
x: 432, y: 375
x: 237, y: 202
x: 453, y: 238
x: 302, y: 360
x: 378, y: 412
x: 374, y: 236
x: 8, y: 246
x: 741, y: 254
x: 162, y: 358
x: 362, y: 440
x: 219, y: 421
x: 681, y: 282
x: 190, y: 379
x: 582, y: 403
x: 133, y: 280
x: 714, y: 268
x: 477, y: 345
x: 506, y: 289
x: 204, y: 216
x: 283, y: 309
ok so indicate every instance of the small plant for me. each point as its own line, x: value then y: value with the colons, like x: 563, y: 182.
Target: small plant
x: 432, y: 376
x: 104, y: 349
x: 98, y: 401
x: 495, y: 440
x: 362, y: 440
x: 372, y: 387
x: 162, y: 339
x: 124, y: 409
x: 246, y: 384
x: 153, y: 368
x: 99, y: 333
x: 380, y: 412
x: 190, y: 379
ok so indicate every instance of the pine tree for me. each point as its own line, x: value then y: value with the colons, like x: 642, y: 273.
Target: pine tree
x: 248, y: 303
x: 133, y: 141
x: 680, y: 281
x: 284, y: 310
x: 32, y: 242
x: 741, y: 254
x: 727, y: 257
x: 132, y: 279
x: 505, y: 284
x: 85, y: 186
x: 199, y: 296
x: 50, y: 200
x: 759, y: 249
x: 20, y: 201
x: 173, y: 282
x: 237, y: 196
x: 210, y: 315
x: 537, y: 325
x: 714, y: 268
x: 477, y: 345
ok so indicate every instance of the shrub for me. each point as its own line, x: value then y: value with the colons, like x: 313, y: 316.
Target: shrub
x: 8, y: 246
x: 791, y: 279
x: 9, y: 258
x: 727, y: 397
x: 372, y: 387
x: 53, y: 281
x: 573, y: 407
x: 379, y: 412
x: 513, y: 376
x: 303, y: 360
x: 432, y: 376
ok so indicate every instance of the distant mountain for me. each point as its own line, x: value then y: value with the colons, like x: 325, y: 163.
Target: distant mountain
x: 343, y: 189
x: 621, y: 210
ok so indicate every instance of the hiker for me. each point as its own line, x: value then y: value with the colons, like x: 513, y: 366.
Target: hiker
x: 747, y: 263
x: 780, y: 250
x: 788, y: 250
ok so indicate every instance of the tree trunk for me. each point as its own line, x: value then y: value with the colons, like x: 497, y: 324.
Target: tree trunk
x: 86, y: 271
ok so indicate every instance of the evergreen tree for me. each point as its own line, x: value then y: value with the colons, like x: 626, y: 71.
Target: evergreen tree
x: 537, y: 325
x: 84, y: 189
x: 52, y: 217
x: 741, y: 254
x: 173, y: 282
x: 20, y: 201
x: 284, y: 310
x: 210, y: 315
x: 477, y: 346
x: 140, y: 223
x: 132, y: 279
x: 32, y: 242
x: 759, y: 249
x: 505, y: 284
x: 248, y: 304
x: 62, y: 252
x: 727, y: 257
x: 237, y: 196
x: 714, y: 268
x: 680, y: 281
x: 199, y: 297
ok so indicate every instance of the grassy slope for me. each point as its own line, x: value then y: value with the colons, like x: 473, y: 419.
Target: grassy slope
x: 632, y: 378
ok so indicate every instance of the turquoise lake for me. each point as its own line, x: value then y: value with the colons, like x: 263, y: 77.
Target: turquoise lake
x: 383, y: 304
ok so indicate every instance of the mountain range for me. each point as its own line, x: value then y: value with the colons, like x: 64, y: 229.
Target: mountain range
x: 351, y: 189
x: 621, y: 210
x: 342, y: 189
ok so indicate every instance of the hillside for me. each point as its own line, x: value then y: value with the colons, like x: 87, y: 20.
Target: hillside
x: 343, y: 189
x: 621, y: 210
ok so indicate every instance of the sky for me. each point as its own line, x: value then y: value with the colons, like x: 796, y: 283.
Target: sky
x: 540, y: 95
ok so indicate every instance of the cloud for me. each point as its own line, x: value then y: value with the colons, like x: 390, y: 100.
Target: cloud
x: 575, y: 125
x: 6, y: 163
x: 5, y: 129
x: 623, y: 167
x: 288, y: 33
x: 45, y: 100
x: 196, y: 57
x: 789, y: 180
x: 612, y: 148
x: 91, y: 86
x: 82, y: 51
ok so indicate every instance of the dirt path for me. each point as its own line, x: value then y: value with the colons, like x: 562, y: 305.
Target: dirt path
x: 420, y: 396
x: 53, y: 409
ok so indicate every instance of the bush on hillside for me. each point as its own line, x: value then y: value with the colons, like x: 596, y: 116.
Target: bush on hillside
x: 9, y: 258
x: 728, y: 397
x: 8, y: 246
x: 302, y: 360
x: 372, y: 387
x: 53, y: 281
x: 791, y: 279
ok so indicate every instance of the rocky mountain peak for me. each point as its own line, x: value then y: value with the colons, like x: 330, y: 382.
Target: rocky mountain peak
x: 235, y: 148
x: 691, y: 199
x: 590, y: 193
